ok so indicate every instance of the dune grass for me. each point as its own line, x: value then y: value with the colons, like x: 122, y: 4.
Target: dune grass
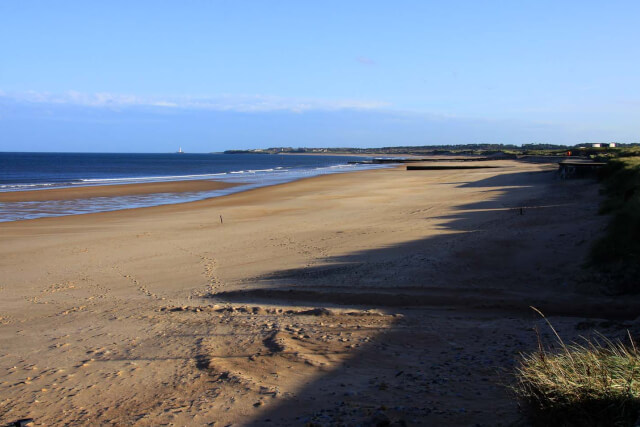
x: 592, y: 384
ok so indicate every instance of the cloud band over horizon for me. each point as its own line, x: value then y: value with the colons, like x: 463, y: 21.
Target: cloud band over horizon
x: 106, y: 122
x: 235, y: 103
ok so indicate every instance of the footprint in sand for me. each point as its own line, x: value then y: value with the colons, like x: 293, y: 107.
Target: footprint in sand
x: 141, y: 286
x: 210, y: 267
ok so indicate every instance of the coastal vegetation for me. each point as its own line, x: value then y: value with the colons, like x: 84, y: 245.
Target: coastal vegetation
x: 617, y: 254
x: 458, y: 149
x: 596, y: 383
x: 592, y: 384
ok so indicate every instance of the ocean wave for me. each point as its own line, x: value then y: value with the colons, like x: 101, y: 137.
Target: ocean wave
x: 335, y: 167
x: 124, y: 180
x: 149, y: 178
x: 254, y: 171
x: 6, y: 186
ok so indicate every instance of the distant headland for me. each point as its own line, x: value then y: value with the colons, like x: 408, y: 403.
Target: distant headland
x: 586, y: 149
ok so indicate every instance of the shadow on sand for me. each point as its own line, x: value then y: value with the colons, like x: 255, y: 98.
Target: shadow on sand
x: 464, y: 297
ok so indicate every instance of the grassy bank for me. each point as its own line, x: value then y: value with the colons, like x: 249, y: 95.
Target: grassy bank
x: 592, y: 384
x: 617, y: 255
x: 595, y: 384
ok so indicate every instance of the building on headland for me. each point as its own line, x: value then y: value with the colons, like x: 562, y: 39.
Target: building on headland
x: 603, y: 145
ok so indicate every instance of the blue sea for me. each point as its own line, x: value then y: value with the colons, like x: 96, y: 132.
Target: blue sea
x: 39, y: 171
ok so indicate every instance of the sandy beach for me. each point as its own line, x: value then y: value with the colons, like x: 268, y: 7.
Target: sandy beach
x: 382, y: 295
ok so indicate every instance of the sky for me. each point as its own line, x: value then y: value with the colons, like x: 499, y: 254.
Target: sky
x: 150, y: 76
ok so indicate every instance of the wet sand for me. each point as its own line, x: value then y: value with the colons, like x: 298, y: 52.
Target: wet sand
x: 113, y: 190
x: 375, y: 296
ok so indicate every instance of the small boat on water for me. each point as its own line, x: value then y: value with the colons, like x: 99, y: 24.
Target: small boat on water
x: 180, y: 151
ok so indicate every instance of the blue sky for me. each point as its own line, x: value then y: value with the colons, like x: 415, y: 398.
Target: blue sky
x: 214, y: 75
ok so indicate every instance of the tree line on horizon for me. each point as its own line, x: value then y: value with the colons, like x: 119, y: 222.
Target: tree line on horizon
x: 534, y: 148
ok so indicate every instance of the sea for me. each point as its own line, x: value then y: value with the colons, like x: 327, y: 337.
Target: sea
x: 40, y: 171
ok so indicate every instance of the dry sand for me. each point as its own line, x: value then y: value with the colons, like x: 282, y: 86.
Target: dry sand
x: 354, y: 298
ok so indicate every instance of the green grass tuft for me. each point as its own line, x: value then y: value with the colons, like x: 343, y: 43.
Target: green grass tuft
x: 592, y: 384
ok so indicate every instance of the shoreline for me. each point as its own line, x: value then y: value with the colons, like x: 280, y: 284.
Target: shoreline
x: 151, y: 189
x: 113, y: 190
x: 238, y: 198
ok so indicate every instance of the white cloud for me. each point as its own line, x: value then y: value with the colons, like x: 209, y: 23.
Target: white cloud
x: 234, y: 103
